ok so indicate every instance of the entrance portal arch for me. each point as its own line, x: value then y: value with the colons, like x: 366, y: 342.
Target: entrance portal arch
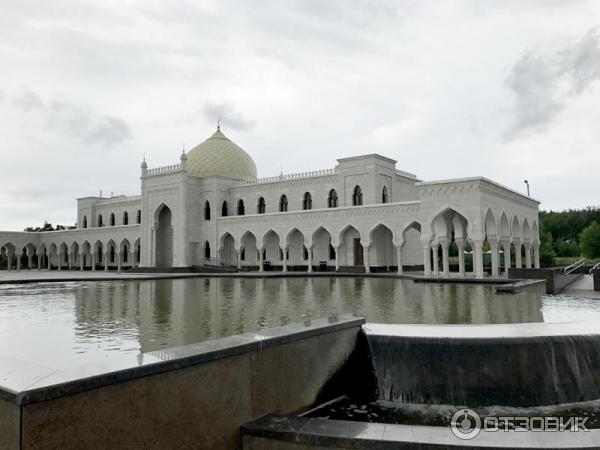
x: 163, y: 241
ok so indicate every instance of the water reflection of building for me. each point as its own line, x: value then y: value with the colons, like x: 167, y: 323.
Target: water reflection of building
x: 168, y: 313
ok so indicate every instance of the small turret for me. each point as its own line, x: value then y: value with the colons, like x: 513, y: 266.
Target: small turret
x: 184, y: 159
x: 144, y: 167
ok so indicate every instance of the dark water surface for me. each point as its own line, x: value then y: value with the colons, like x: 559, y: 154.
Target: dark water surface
x: 66, y: 324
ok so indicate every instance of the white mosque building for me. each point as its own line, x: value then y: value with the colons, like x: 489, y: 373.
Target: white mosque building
x: 362, y: 215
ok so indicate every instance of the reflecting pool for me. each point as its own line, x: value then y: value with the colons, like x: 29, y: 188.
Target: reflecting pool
x: 69, y: 324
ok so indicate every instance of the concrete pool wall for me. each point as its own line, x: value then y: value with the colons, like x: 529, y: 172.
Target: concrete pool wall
x: 194, y: 396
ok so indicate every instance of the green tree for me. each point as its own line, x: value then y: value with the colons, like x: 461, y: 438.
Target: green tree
x: 547, y: 254
x: 590, y: 241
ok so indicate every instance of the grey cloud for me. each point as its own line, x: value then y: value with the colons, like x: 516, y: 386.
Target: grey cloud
x: 27, y: 100
x: 111, y: 131
x: 542, y: 82
x: 65, y: 117
x: 228, y: 114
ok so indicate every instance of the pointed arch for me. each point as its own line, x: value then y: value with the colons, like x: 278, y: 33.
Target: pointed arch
x: 381, y: 252
x: 357, y: 196
x: 490, y: 225
x: 163, y: 241
x: 224, y: 209
x: 332, y: 199
x: 504, y: 227
x: 283, y: 203
x: 271, y: 247
x: 351, y: 251
x: 227, y: 250
x: 307, y: 201
x: 384, y: 195
x: 261, y: 206
x: 241, y: 209
x: 125, y: 218
x: 206, y: 210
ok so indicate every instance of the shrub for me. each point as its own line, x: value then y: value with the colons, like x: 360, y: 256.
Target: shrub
x: 590, y: 241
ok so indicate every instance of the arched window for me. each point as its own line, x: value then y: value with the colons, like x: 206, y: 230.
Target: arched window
x: 240, y: 208
x: 261, y: 206
x: 99, y: 223
x: 384, y: 195
x: 125, y: 218
x: 206, y: 250
x: 243, y: 255
x: 332, y: 199
x: 307, y: 201
x: 283, y: 205
x: 112, y: 254
x: 357, y: 198
x: 125, y: 253
x: 112, y: 219
x: 207, y: 210
x: 224, y: 210
x: 84, y: 221
x: 139, y: 216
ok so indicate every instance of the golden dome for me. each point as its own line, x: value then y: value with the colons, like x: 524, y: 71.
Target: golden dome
x: 218, y: 156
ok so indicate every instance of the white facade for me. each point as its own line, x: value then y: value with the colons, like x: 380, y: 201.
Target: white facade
x: 364, y: 214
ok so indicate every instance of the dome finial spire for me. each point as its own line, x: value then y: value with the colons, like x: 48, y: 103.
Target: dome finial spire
x: 219, y: 124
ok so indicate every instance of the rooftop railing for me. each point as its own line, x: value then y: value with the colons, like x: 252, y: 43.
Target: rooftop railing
x: 294, y: 176
x: 164, y: 169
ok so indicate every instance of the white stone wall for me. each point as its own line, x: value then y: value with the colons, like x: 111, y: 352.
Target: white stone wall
x: 419, y: 215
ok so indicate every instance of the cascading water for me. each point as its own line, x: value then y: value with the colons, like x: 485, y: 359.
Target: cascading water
x: 522, y: 365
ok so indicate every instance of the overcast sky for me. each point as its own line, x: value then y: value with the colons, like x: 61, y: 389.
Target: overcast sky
x: 505, y: 89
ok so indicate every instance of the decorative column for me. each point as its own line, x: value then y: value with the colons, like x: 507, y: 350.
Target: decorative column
x: 460, y: 244
x: 366, y: 257
x: 436, y: 263
x: 337, y: 258
x: 495, y: 257
x: 478, y: 258
x: 261, y: 260
x: 285, y: 251
x: 40, y: 261
x: 132, y: 258
x: 60, y: 260
x: 527, y: 255
x: 29, y: 260
x: 81, y: 261
x: 106, y: 261
x: 427, y: 259
x: 399, y: 257
x: 310, y: 257
x: 119, y: 258
x: 19, y: 262
x: 445, y: 259
x: 93, y: 261
x: 239, y: 258
x: 536, y: 254
x: 517, y: 244
x: 8, y: 261
x: 507, y: 259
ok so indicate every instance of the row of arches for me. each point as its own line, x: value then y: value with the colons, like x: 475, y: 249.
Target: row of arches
x: 496, y: 246
x: 318, y: 250
x: 112, y: 219
x: 84, y: 255
x: 283, y: 204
